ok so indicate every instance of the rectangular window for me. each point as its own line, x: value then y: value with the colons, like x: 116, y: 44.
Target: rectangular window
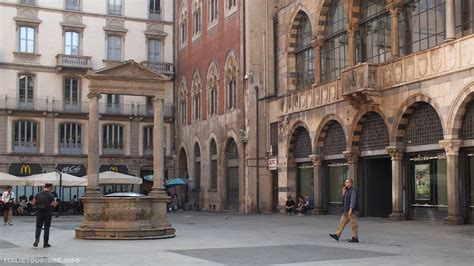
x: 213, y: 101
x: 28, y: 2
x: 154, y: 50
x: 231, y: 94
x: 25, y: 91
x: 70, y: 138
x: 197, y: 107
x: 71, y: 43
x: 27, y: 40
x: 148, y: 140
x: 25, y: 137
x: 212, y: 10
x: 115, y: 7
x: 112, y: 139
x: 197, y: 21
x: 113, y: 104
x: 231, y: 4
x: 155, y: 9
x: 71, y: 93
x: 114, y: 48
x: 73, y: 4
x: 183, y: 112
x: 274, y: 139
x: 184, y: 31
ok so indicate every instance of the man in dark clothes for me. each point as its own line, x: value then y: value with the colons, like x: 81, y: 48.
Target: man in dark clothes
x: 349, y: 212
x: 290, y: 205
x: 44, y: 203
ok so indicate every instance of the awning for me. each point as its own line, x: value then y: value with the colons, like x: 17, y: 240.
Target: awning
x: 11, y: 180
x: 54, y: 178
x: 114, y: 178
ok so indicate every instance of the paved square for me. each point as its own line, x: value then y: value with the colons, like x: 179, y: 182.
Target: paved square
x: 218, y: 238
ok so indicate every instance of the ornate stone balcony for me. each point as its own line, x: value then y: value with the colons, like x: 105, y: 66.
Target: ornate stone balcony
x: 73, y: 62
x: 159, y: 67
x: 360, y: 84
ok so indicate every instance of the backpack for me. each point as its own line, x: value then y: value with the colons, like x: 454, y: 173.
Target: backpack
x: 43, y: 201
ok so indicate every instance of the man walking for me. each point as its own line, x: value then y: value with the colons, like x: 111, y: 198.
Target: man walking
x: 44, y: 203
x: 8, y: 198
x: 349, y: 212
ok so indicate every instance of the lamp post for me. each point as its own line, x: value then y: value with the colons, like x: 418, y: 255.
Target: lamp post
x: 60, y: 191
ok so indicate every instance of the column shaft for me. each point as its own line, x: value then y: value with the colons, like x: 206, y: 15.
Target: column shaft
x: 450, y: 22
x: 158, y: 153
x: 93, y: 147
x: 452, y: 147
x: 394, y: 10
x: 396, y: 154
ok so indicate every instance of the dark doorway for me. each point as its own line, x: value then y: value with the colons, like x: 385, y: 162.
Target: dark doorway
x: 274, y: 191
x: 232, y: 177
x: 376, y: 187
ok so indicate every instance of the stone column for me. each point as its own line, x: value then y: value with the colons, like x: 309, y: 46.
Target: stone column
x: 93, y: 189
x: 395, y: 8
x: 158, y: 153
x: 317, y: 178
x: 451, y: 147
x: 317, y: 44
x: 396, y: 153
x: 351, y: 33
x: 352, y: 157
x: 450, y: 22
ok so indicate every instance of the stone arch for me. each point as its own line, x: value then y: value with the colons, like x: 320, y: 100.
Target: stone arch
x: 358, y: 124
x: 231, y: 66
x: 212, y: 73
x: 182, y: 163
x: 404, y: 113
x: 231, y: 70
x: 323, y: 127
x: 351, y: 8
x: 298, y: 15
x: 196, y: 83
x: 197, y: 159
x: 233, y: 170
x: 296, y: 128
x: 458, y: 110
x: 182, y: 89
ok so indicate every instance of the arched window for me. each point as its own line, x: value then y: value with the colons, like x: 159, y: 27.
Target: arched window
x: 112, y: 139
x: 213, y: 168
x: 25, y: 137
x: 212, y: 89
x: 196, y: 18
x: 182, y: 101
x: 183, y: 27
x: 424, y: 126
x: 197, y: 167
x: 70, y: 141
x: 422, y: 25
x: 196, y: 90
x: 304, y: 54
x: 334, y: 53
x: 231, y: 81
x: 374, y: 36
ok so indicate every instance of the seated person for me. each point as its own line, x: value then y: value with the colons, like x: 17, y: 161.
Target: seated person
x: 301, y: 206
x: 309, y: 203
x: 290, y: 205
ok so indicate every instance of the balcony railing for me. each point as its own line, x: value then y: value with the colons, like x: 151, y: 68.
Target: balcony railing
x: 146, y: 110
x: 70, y: 148
x: 25, y: 147
x: 112, y: 149
x: 159, y: 67
x: 73, y: 61
x: 360, y: 77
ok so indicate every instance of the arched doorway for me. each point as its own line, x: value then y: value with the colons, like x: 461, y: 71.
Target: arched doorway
x: 426, y: 169
x: 182, y: 164
x: 332, y: 141
x: 467, y: 158
x: 375, y: 167
x: 197, y: 177
x: 300, y: 149
x: 232, y: 176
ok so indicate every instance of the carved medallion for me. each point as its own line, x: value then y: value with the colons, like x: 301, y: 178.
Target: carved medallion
x: 466, y: 52
x: 317, y: 96
x: 409, y: 68
x: 450, y: 56
x: 332, y: 93
x: 422, y: 63
x: 324, y: 94
x: 309, y: 98
x: 397, y: 72
x: 436, y: 60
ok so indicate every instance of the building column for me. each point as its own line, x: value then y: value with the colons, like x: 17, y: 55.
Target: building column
x: 317, y: 179
x: 352, y: 157
x: 351, y: 33
x: 317, y: 45
x: 158, y: 153
x: 452, y: 147
x: 93, y: 189
x: 395, y: 8
x: 396, y: 153
x: 450, y: 22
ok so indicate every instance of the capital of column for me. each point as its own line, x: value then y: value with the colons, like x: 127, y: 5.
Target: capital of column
x: 451, y: 146
x: 352, y: 156
x: 317, y: 159
x: 92, y: 95
x: 394, y: 8
x: 317, y: 43
x: 352, y: 28
x: 157, y: 99
x: 396, y: 152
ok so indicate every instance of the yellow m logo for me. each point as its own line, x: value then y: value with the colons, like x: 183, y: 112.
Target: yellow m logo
x: 25, y: 169
x: 113, y: 169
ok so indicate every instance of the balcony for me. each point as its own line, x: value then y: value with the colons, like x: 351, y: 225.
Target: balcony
x: 70, y: 148
x: 159, y: 67
x: 146, y: 110
x: 111, y: 149
x: 361, y: 84
x: 25, y: 147
x: 20, y: 103
x: 73, y: 62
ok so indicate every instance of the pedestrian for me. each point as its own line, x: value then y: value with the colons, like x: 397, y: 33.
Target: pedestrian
x: 349, y: 211
x: 8, y: 199
x: 44, y: 203
x: 290, y: 205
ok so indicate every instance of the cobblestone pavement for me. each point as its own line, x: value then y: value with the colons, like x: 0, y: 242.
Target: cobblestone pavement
x: 216, y: 239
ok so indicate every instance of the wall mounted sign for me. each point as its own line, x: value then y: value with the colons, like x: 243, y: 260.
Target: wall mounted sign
x: 25, y: 169
x: 114, y: 168
x: 273, y: 164
x: 72, y: 169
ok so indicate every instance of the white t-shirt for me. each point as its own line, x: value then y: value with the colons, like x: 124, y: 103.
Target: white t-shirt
x: 6, y: 196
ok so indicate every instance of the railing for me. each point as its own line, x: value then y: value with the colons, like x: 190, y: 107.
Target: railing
x: 73, y: 61
x: 112, y: 150
x: 25, y: 147
x: 159, y: 67
x: 16, y: 103
x: 70, y: 148
x: 146, y: 110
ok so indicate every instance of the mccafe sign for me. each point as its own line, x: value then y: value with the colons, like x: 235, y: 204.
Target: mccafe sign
x: 25, y: 169
x: 72, y: 169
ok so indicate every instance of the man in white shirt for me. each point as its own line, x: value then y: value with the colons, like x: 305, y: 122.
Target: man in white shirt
x: 8, y: 198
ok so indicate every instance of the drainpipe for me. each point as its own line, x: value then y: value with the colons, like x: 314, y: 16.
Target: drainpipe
x: 257, y: 150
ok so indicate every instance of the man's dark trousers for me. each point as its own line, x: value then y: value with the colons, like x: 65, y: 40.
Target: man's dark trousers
x: 43, y: 218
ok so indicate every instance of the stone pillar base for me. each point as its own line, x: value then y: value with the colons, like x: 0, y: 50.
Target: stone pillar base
x: 453, y: 220
x: 397, y: 216
x: 318, y: 211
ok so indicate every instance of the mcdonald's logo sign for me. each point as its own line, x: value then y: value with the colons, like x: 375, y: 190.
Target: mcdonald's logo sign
x: 25, y: 169
x: 113, y: 169
x: 118, y: 168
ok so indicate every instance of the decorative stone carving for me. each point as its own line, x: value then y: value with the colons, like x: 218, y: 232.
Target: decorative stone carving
x: 283, y: 123
x: 422, y: 63
x: 72, y: 21
x: 450, y: 56
x: 155, y: 30
x: 115, y: 25
x: 352, y: 156
x: 317, y: 159
x: 466, y: 51
x: 397, y: 72
x: 409, y: 68
x: 451, y: 146
x: 396, y: 152
x: 436, y: 60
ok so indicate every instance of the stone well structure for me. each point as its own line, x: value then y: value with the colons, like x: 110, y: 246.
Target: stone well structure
x: 125, y: 217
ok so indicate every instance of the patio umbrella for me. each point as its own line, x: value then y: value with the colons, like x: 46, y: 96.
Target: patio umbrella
x: 177, y: 181
x: 148, y: 177
x: 53, y: 178
x: 115, y: 178
x: 7, y: 179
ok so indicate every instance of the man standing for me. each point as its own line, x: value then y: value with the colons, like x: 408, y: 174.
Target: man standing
x: 8, y: 198
x: 349, y: 212
x: 44, y: 203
